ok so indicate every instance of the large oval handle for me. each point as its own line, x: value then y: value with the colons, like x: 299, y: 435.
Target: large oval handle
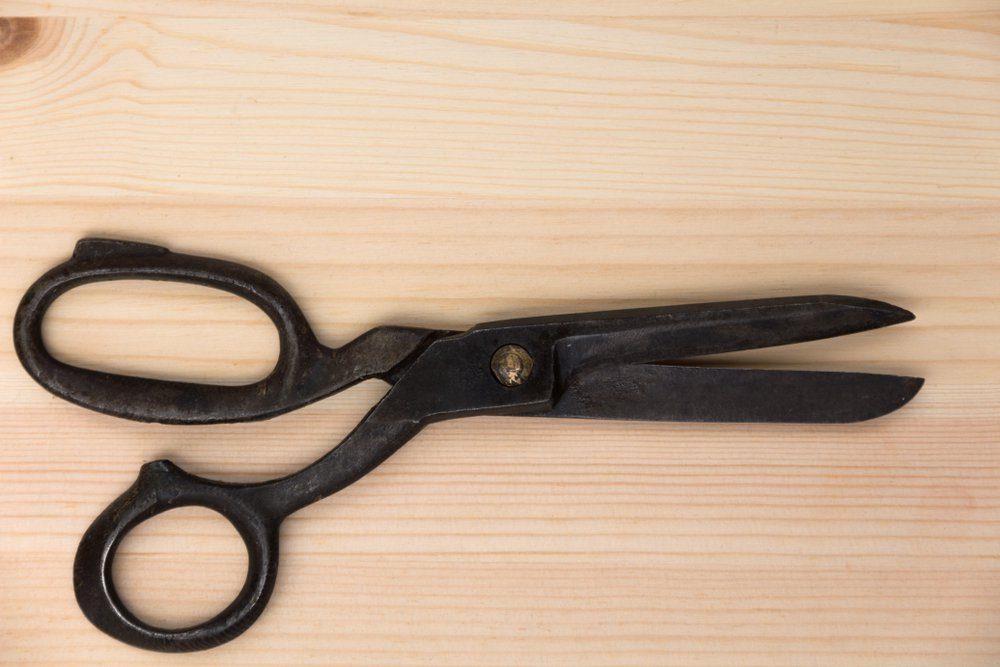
x: 162, y: 486
x: 301, y: 374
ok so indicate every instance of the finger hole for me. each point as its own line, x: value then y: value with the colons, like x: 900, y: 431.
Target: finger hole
x: 162, y: 330
x: 180, y: 568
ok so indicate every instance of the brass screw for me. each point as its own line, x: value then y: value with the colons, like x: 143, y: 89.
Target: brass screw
x: 511, y: 365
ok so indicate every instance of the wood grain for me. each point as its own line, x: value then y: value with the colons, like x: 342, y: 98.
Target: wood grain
x: 689, y: 10
x: 444, y: 164
x: 646, y: 109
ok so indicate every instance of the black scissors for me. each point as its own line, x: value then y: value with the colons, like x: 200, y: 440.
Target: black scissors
x: 590, y: 365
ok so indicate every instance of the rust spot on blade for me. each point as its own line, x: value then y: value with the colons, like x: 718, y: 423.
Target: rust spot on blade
x: 17, y: 36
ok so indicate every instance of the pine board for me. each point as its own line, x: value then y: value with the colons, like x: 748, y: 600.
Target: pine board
x: 440, y: 164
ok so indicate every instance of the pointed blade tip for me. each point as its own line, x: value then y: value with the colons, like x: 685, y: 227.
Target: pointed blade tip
x: 912, y: 386
x: 908, y: 388
x: 888, y: 313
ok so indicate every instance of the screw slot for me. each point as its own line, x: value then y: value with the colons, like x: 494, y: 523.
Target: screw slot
x: 511, y: 365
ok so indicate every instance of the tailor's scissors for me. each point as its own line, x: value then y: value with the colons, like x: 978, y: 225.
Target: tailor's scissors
x: 590, y: 365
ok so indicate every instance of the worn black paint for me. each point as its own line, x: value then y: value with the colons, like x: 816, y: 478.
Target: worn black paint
x: 591, y: 365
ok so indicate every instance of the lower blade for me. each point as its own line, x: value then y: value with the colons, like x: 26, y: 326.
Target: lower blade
x: 698, y: 394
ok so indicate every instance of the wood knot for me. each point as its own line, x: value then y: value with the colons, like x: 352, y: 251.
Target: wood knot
x: 17, y: 35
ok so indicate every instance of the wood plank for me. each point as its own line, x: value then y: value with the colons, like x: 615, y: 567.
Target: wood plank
x: 492, y: 540
x: 802, y: 110
x: 440, y: 164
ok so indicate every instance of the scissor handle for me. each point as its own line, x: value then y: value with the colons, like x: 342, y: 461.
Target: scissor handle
x: 301, y: 374
x: 162, y: 486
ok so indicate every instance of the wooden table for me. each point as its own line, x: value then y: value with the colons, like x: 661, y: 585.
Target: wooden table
x: 440, y: 164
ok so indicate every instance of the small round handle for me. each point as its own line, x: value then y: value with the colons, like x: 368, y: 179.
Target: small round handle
x: 300, y: 376
x: 163, y: 486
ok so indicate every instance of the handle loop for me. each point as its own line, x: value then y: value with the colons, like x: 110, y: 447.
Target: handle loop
x: 163, y: 486
x: 301, y: 374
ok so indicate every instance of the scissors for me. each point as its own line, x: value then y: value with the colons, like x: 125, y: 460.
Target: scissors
x: 592, y: 365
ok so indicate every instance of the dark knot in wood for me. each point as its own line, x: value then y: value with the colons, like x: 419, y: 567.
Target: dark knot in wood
x: 17, y: 35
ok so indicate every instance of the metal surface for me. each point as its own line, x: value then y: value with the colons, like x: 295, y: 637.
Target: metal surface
x: 593, y: 365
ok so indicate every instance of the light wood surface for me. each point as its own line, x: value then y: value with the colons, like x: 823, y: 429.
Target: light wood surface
x: 440, y: 164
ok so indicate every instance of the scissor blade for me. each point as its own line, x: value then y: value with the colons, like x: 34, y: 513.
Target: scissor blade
x: 699, y: 394
x: 676, y: 332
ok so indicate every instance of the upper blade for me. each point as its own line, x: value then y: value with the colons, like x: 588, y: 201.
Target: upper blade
x: 676, y: 332
x: 689, y: 393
